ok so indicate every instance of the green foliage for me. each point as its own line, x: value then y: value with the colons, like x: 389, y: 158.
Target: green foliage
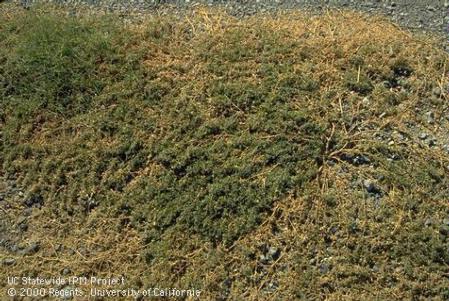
x: 195, y: 133
x: 217, y: 175
x: 55, y: 64
x: 358, y: 82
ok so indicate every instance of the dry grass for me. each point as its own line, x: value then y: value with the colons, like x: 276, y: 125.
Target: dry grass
x: 164, y: 88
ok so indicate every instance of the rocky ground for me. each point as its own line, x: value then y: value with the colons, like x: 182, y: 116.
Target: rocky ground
x: 430, y: 15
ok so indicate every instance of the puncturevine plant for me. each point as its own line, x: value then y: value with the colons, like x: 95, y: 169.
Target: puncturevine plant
x: 211, y: 138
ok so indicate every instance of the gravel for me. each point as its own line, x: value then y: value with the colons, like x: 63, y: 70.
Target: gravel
x: 428, y: 16
x: 33, y: 201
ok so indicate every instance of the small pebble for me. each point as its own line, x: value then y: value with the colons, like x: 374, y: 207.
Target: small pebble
x: 263, y: 258
x: 430, y: 117
x: 370, y: 186
x: 23, y: 227
x: 360, y: 160
x: 324, y: 268
x: 273, y: 286
x: 431, y: 142
x: 274, y: 253
x: 9, y: 261
x: 31, y: 249
x: 27, y: 211
x: 423, y: 136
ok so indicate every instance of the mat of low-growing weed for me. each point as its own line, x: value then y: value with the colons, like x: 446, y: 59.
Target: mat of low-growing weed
x: 193, y: 131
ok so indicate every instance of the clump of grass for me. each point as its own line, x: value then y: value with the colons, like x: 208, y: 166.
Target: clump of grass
x: 236, y: 134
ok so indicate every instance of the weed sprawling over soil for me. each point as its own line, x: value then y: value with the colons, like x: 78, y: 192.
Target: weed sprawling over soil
x: 266, y: 157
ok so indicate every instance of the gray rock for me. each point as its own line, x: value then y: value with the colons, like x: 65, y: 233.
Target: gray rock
x: 269, y: 254
x: 324, y: 268
x: 8, y: 261
x: 423, y: 136
x: 264, y: 259
x: 273, y: 286
x: 430, y: 117
x: 398, y: 136
x: 333, y: 229
x: 34, y: 200
x: 431, y: 142
x: 14, y: 248
x: 361, y: 159
x: 274, y: 253
x: 370, y: 186
x: 23, y: 227
x: 31, y: 249
x: 27, y: 211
